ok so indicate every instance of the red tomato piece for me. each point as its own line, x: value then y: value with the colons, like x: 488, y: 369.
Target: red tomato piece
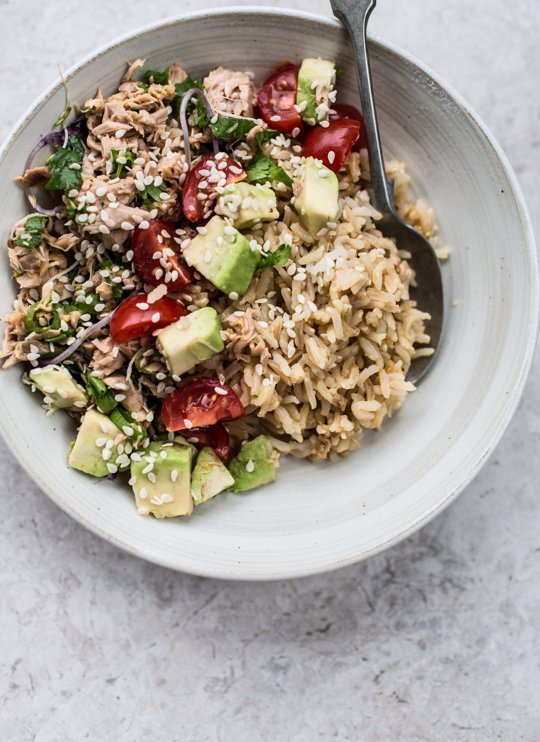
x: 216, y: 436
x: 332, y: 144
x: 136, y: 318
x: 200, y: 402
x: 202, y: 182
x: 346, y: 111
x: 156, y: 260
x: 277, y: 97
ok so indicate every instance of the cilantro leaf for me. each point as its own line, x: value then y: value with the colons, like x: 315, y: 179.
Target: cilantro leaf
x: 121, y: 167
x: 157, y: 77
x: 261, y: 169
x: 263, y: 136
x: 64, y: 176
x: 30, y: 237
x: 278, y: 257
x: 230, y: 128
x: 181, y: 89
x: 151, y: 194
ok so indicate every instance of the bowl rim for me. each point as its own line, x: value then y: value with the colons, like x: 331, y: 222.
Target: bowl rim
x: 533, y: 320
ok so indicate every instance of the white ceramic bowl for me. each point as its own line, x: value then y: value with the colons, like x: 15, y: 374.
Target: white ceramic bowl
x: 319, y: 517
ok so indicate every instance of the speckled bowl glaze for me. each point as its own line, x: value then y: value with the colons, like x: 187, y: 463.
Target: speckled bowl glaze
x: 319, y: 517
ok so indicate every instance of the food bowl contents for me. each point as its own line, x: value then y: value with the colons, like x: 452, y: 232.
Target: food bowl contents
x: 202, y: 285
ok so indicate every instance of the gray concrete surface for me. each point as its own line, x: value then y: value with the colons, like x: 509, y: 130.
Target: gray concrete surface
x: 437, y: 639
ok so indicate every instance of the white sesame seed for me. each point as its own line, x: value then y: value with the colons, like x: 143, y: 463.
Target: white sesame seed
x: 142, y: 305
x: 127, y: 226
x: 142, y: 510
x: 331, y: 156
x: 127, y: 429
x: 174, y: 475
x: 188, y: 424
x: 152, y: 477
x: 156, y: 317
x: 250, y: 466
x: 166, y: 498
x: 233, y: 296
x: 120, y: 133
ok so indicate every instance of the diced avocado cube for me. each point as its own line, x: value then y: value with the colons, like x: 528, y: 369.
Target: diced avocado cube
x: 190, y: 340
x: 95, y: 445
x: 316, y: 195
x: 316, y: 79
x: 59, y: 387
x: 223, y: 256
x: 246, y: 204
x: 161, y: 480
x: 210, y: 477
x: 255, y: 465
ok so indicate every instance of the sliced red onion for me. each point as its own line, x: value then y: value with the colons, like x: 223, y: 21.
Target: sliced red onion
x: 56, y: 137
x: 103, y: 322
x: 191, y: 93
x: 41, y: 209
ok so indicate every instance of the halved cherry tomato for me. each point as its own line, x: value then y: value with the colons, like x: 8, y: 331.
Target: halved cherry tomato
x: 216, y: 436
x: 200, y: 402
x: 136, y: 318
x: 346, y: 111
x: 202, y: 182
x: 276, y: 98
x: 156, y: 260
x: 337, y: 138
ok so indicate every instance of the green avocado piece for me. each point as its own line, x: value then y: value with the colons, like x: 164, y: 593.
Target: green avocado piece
x: 59, y: 387
x: 316, y: 79
x: 255, y: 465
x: 223, y: 256
x: 96, y: 435
x: 210, y: 477
x: 190, y: 340
x: 246, y: 204
x: 161, y: 480
x: 316, y: 195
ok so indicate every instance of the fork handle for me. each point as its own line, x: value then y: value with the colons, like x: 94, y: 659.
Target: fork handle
x: 354, y: 14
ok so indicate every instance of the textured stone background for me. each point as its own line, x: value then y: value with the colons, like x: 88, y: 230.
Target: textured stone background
x: 437, y: 639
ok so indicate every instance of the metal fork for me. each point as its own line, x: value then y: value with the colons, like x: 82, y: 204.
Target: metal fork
x: 354, y: 15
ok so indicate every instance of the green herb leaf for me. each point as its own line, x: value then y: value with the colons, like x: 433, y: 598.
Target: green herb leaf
x: 63, y: 116
x: 122, y: 419
x: 30, y: 237
x: 121, y: 167
x: 229, y: 129
x: 263, y: 136
x: 64, y: 177
x: 279, y: 257
x: 181, y: 89
x: 100, y: 393
x: 156, y: 76
x: 150, y: 194
x: 262, y: 168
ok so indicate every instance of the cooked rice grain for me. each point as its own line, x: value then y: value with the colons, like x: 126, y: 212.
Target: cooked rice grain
x: 320, y: 351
